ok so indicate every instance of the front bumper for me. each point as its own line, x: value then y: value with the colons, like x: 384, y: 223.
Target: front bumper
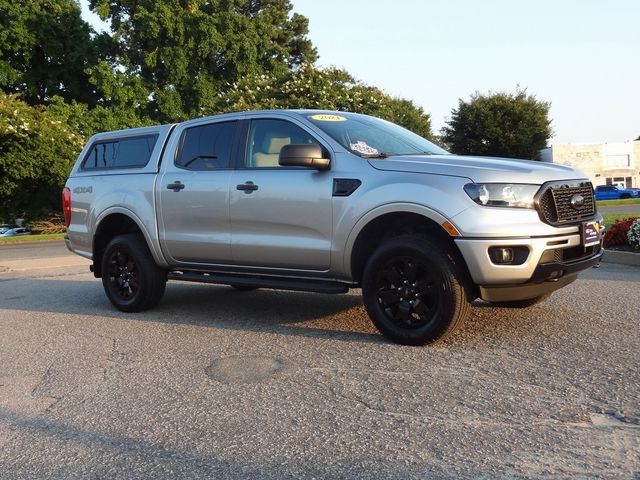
x: 551, y: 263
x: 547, y: 278
x: 540, y: 251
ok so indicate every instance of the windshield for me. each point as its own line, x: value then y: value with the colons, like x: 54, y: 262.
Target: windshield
x: 372, y: 137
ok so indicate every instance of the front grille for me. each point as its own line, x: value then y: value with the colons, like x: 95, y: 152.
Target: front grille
x: 554, y: 203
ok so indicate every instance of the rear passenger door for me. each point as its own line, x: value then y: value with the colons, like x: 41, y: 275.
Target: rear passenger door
x: 280, y: 216
x: 194, y: 194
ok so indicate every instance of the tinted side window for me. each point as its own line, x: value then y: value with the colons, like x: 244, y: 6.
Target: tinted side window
x: 120, y: 153
x: 266, y: 139
x: 207, y: 147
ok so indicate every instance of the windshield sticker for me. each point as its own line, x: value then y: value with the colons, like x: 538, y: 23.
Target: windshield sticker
x: 328, y: 118
x: 362, y: 147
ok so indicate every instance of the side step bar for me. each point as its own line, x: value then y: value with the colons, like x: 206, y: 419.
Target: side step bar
x: 257, y: 281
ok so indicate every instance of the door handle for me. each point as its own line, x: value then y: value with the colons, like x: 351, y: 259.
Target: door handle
x: 176, y: 186
x: 247, y: 187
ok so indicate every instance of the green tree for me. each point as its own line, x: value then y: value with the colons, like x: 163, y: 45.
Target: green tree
x: 37, y: 151
x: 85, y: 121
x: 320, y: 88
x: 499, y: 124
x: 184, y: 51
x: 45, y: 48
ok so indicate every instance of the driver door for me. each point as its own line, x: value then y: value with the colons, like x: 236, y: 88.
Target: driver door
x: 280, y: 216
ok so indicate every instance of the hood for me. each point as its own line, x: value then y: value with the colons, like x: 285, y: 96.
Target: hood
x: 479, y: 169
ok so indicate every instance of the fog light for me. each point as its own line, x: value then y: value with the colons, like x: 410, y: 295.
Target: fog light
x: 502, y: 255
x: 515, y: 255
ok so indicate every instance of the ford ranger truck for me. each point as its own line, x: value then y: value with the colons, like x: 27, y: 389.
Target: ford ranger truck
x: 325, y: 201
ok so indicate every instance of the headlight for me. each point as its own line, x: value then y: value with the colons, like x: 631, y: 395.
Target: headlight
x: 502, y: 194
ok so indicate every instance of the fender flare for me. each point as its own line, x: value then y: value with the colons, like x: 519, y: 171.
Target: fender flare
x: 152, y: 243
x: 371, y: 215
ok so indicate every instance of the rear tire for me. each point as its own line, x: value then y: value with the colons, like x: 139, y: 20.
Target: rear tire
x: 522, y: 303
x: 130, y: 277
x: 413, y: 290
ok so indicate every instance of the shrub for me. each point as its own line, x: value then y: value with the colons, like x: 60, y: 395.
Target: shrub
x: 51, y: 224
x: 633, y: 235
x: 36, y: 154
x: 617, y: 234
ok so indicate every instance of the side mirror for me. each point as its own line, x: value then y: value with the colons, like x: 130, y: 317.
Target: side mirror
x: 304, y: 156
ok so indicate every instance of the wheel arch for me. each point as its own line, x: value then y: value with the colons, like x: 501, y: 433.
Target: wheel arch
x: 391, y: 221
x: 114, y: 222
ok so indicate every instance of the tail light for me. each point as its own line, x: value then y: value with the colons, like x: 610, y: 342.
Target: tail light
x: 66, y: 205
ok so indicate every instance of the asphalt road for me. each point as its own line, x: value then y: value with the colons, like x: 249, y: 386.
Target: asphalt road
x: 29, y: 251
x: 216, y: 383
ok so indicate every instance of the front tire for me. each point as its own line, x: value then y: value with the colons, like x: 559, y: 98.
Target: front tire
x: 413, y: 290
x: 130, y: 277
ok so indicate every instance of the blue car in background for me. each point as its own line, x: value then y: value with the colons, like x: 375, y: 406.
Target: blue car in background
x: 614, y: 192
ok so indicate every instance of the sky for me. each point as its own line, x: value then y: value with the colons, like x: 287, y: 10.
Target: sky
x: 580, y: 55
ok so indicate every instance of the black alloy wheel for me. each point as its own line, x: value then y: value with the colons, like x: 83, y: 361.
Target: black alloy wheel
x: 414, y: 289
x: 122, y: 274
x: 407, y: 292
x: 130, y: 277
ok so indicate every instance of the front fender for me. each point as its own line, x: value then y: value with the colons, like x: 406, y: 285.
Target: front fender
x: 399, y: 207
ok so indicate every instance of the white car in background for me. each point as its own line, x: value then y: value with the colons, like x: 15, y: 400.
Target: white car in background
x: 14, y: 232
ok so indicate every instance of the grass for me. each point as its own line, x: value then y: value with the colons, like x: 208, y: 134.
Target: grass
x: 626, y: 201
x: 32, y: 238
x: 611, y: 218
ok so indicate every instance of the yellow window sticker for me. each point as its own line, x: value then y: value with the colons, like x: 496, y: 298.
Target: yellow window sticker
x: 323, y: 117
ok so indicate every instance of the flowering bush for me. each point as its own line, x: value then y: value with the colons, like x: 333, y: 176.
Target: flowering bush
x: 634, y: 234
x: 617, y: 234
x: 321, y: 88
x: 36, y: 153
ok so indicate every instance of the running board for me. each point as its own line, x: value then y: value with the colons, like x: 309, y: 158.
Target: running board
x: 257, y: 281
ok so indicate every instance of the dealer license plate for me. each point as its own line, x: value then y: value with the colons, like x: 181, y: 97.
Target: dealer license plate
x: 590, y: 233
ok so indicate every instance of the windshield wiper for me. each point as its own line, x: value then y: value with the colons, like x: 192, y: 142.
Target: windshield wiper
x: 412, y: 153
x: 392, y: 154
x: 377, y: 155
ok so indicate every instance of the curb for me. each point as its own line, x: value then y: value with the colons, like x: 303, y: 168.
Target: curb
x: 624, y: 258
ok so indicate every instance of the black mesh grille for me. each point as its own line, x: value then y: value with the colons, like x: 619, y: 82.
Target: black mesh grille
x: 568, y: 255
x: 554, y: 204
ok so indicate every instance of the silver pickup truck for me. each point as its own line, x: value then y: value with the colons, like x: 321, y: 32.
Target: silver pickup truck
x: 326, y: 201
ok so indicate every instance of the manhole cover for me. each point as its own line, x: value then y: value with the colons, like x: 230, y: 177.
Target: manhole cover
x: 243, y: 369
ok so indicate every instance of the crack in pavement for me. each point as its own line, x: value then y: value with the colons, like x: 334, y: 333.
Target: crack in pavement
x: 601, y: 418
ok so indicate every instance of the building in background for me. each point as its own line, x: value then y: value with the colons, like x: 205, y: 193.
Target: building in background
x: 604, y: 163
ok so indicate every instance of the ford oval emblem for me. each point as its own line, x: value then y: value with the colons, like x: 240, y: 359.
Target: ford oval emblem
x: 577, y: 201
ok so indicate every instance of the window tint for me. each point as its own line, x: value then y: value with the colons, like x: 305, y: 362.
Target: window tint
x: 120, y: 153
x: 266, y: 139
x: 207, y: 147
